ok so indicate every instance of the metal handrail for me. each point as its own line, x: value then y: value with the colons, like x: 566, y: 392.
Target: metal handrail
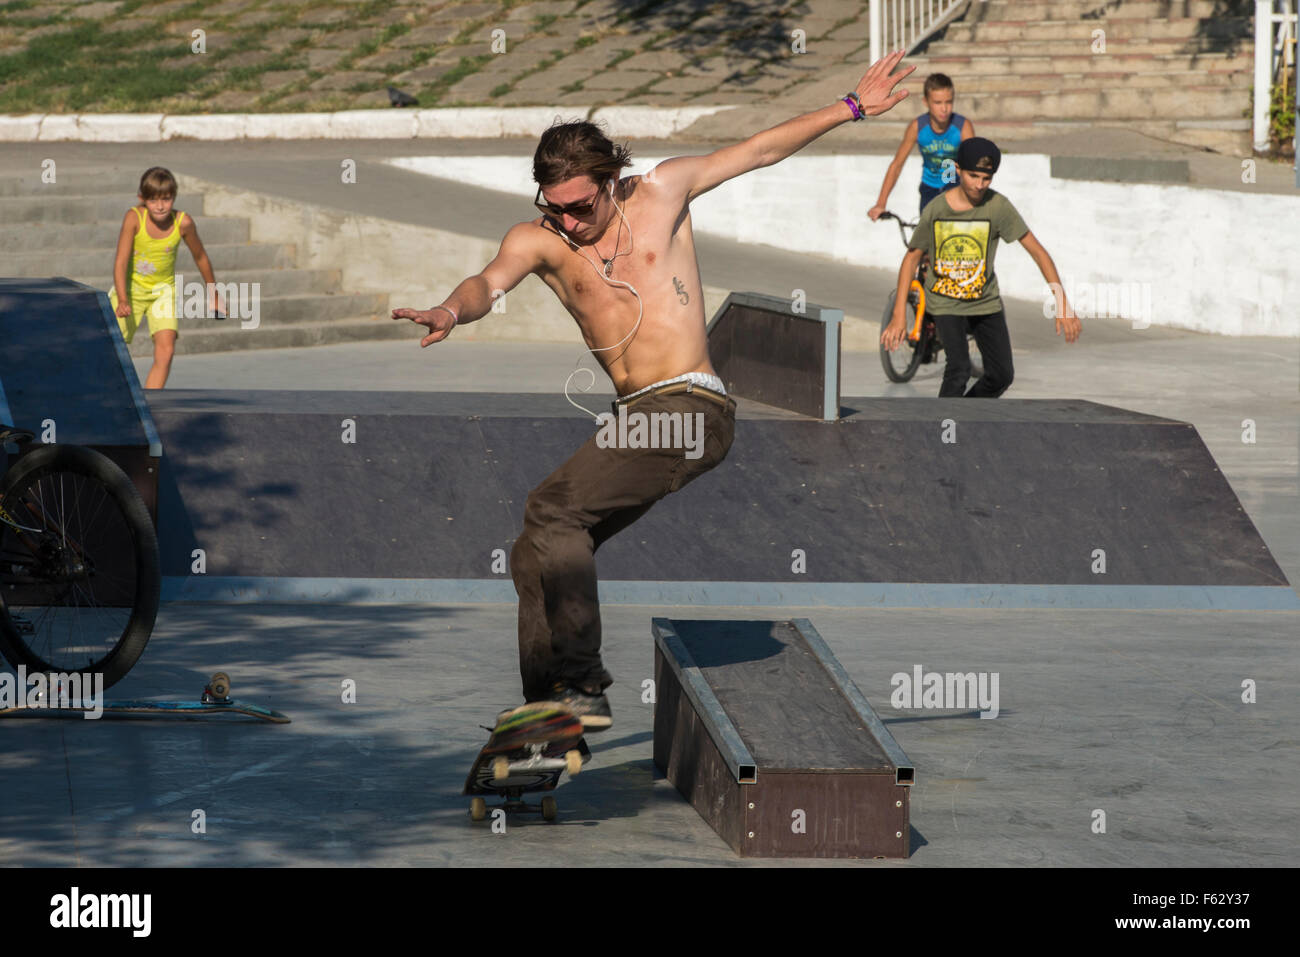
x: 904, y: 24
x: 1275, y: 32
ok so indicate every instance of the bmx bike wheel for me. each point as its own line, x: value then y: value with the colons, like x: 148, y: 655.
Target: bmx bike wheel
x: 900, y: 364
x: 79, y: 569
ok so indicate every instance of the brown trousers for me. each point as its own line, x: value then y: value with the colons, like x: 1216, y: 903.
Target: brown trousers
x: 596, y: 493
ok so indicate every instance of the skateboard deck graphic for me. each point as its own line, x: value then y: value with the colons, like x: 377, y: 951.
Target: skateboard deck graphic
x: 216, y: 700
x: 530, y: 749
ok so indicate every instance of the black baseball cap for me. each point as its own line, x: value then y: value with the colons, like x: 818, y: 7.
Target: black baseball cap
x: 978, y: 155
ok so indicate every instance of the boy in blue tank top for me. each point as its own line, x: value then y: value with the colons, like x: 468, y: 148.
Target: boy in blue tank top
x: 937, y: 134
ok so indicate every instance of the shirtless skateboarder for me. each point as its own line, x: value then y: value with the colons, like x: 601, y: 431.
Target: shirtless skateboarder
x: 619, y: 253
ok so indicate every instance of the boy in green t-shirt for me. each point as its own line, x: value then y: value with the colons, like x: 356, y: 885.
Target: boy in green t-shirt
x: 959, y: 230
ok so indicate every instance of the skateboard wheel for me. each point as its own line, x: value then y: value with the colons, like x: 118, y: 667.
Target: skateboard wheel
x: 500, y: 769
x: 573, y: 760
x: 549, y: 808
x: 220, y: 685
x: 477, y: 809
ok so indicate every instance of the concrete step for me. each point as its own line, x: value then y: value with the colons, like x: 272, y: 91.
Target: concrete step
x: 205, y: 336
x: 93, y: 261
x: 1128, y: 29
x: 277, y: 310
x: 1228, y: 136
x: 1063, y: 48
x: 1029, y: 82
x: 273, y: 282
x: 1188, y: 102
x: 69, y: 236
x: 1098, y: 10
x: 970, y: 64
x: 75, y: 183
x: 79, y: 209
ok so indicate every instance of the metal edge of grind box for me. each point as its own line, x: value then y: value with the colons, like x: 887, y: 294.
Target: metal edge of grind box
x: 845, y: 808
x: 721, y: 730
x: 904, y: 772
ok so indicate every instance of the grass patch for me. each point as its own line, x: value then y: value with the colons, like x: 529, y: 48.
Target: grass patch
x: 467, y: 66
x: 245, y: 77
x: 393, y: 31
x: 643, y: 88
x: 471, y: 30
x: 64, y: 72
x: 371, y: 8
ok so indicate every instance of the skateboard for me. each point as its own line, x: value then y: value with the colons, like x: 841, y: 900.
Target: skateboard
x: 530, y: 749
x: 216, y: 700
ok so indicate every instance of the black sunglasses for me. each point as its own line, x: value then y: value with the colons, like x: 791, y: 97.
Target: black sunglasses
x: 574, y: 209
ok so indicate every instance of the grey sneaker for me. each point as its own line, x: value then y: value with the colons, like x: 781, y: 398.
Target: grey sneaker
x: 591, y: 709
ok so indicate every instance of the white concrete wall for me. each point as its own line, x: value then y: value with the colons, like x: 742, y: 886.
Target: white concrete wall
x: 416, y: 266
x: 1213, y: 260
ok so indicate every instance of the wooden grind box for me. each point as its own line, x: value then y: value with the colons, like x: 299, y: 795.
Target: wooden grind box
x: 762, y: 730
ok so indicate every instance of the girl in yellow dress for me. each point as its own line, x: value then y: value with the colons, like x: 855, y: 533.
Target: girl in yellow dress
x: 146, y: 266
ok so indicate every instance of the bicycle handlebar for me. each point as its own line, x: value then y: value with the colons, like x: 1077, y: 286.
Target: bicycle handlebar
x: 901, y: 224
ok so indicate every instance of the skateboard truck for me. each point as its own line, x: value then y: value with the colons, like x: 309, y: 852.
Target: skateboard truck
x: 217, y: 690
x: 530, y: 750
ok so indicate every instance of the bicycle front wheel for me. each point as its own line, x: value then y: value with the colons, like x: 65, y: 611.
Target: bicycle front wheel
x: 79, y: 571
x: 900, y: 364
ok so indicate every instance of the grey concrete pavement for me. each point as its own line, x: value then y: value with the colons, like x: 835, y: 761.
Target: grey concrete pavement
x: 1135, y: 714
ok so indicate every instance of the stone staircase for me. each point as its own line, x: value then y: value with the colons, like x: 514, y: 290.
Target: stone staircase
x: 1176, y: 70
x: 55, y: 230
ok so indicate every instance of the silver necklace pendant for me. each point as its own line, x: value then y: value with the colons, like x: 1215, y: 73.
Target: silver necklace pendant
x: 609, y: 268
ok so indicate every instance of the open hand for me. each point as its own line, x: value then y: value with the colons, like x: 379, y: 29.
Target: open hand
x: 876, y: 88
x: 892, y: 335
x: 438, y: 321
x: 1068, y: 325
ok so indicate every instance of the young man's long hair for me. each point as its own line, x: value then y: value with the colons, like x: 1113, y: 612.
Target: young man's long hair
x: 574, y: 149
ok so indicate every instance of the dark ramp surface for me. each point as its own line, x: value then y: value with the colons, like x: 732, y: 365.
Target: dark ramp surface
x: 436, y: 482
x: 775, y: 692
x: 63, y: 363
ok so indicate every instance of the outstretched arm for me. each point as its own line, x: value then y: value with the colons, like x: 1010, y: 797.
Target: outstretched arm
x: 695, y: 175
x: 1067, y: 322
x: 519, y: 255
x: 891, y: 174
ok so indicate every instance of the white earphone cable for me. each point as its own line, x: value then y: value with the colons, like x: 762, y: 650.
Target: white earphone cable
x: 615, y: 282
